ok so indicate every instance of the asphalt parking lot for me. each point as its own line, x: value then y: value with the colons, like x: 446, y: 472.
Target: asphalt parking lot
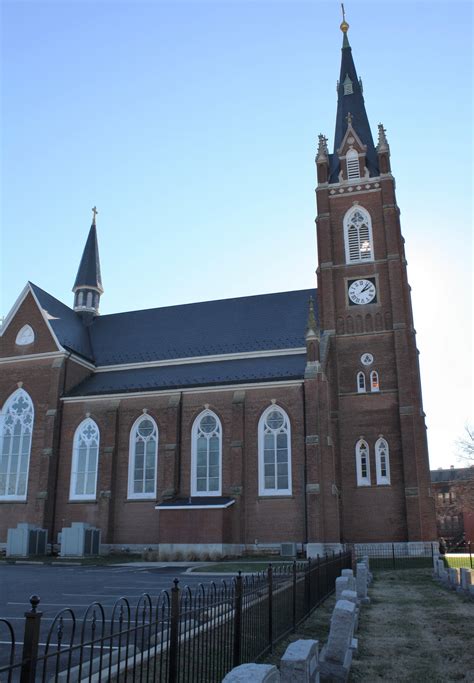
x: 77, y: 587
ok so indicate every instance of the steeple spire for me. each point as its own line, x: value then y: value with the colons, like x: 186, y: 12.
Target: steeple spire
x: 88, y: 284
x: 351, y: 101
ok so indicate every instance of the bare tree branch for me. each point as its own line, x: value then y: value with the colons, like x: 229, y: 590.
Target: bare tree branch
x: 465, y: 445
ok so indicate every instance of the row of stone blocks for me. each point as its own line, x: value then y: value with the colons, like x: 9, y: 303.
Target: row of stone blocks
x: 302, y: 662
x: 460, y: 580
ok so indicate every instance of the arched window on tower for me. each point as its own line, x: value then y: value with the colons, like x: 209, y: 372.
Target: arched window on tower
x: 89, y: 300
x: 358, y: 235
x: 362, y: 463
x: 374, y: 381
x: 352, y: 164
x: 382, y: 461
x: 85, y: 461
x: 206, y: 455
x: 361, y: 383
x: 16, y: 429
x: 274, y: 453
x: 143, y: 457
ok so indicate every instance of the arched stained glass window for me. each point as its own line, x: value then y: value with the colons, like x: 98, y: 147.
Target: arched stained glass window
x: 361, y: 383
x: 16, y: 429
x: 85, y: 461
x: 374, y: 381
x: 143, y: 458
x: 274, y: 452
x: 206, y: 455
x: 362, y: 463
x: 382, y: 461
x: 358, y: 235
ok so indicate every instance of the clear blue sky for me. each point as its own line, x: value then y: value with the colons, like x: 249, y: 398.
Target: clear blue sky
x: 193, y: 127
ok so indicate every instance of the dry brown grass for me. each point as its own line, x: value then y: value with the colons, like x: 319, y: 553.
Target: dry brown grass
x: 413, y: 630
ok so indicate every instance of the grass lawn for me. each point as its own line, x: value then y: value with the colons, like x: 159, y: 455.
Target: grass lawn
x: 459, y: 561
x: 413, y: 630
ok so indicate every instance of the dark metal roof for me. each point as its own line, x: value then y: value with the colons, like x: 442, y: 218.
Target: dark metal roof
x: 188, y: 375
x: 251, y: 323
x: 452, y: 474
x: 354, y: 104
x: 198, y: 501
x: 88, y: 274
x: 67, y: 325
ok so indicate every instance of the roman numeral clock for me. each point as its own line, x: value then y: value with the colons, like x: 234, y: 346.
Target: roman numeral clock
x: 363, y: 291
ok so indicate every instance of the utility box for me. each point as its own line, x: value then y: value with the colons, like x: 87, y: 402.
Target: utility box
x: 26, y: 540
x: 80, y: 540
x: 288, y: 549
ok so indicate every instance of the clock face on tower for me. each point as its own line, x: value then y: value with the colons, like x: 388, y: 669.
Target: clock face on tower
x: 361, y: 292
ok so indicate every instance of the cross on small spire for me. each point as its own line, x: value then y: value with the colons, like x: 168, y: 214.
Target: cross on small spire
x: 94, y: 214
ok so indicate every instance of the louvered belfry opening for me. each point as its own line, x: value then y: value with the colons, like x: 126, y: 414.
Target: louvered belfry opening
x: 360, y: 247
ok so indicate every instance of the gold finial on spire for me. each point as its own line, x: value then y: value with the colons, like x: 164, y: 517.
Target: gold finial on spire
x: 94, y: 214
x: 344, y: 25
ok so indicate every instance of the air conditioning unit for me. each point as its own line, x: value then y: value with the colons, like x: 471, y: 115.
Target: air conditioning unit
x: 288, y: 549
x: 26, y: 540
x: 79, y: 540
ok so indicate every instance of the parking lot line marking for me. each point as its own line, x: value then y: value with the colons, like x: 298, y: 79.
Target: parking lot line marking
x: 106, y: 595
x: 20, y: 642
x: 52, y: 604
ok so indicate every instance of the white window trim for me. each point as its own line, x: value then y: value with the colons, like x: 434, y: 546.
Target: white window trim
x: 347, y: 223
x: 131, y: 495
x: 362, y: 481
x: 8, y: 402
x: 72, y: 486
x: 262, y: 491
x: 194, y: 432
x: 382, y: 481
x: 377, y: 387
x: 361, y: 389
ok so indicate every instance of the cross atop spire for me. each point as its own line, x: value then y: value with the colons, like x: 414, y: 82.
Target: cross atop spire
x: 94, y: 214
x: 344, y: 26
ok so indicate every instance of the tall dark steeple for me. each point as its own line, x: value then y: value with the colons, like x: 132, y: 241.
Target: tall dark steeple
x: 351, y: 111
x: 88, y: 284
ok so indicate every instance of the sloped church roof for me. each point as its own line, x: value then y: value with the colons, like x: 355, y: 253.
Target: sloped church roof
x: 252, y: 324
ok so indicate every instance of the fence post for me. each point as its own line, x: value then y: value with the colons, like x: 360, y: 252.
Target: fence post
x: 174, y: 633
x: 30, y: 642
x: 270, y: 606
x: 294, y: 596
x: 237, y: 656
x: 307, y: 586
x: 393, y: 555
x: 470, y: 553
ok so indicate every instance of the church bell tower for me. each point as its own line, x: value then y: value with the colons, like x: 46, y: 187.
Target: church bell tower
x: 365, y: 311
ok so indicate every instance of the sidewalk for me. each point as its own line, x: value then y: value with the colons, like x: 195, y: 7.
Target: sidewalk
x: 413, y: 630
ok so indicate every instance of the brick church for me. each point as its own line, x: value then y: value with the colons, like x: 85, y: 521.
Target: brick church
x: 238, y: 424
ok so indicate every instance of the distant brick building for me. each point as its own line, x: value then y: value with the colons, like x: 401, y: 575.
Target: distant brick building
x: 237, y: 424
x: 453, y: 490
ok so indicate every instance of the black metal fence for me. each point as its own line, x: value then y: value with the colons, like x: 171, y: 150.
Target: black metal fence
x: 397, y: 555
x: 184, y: 636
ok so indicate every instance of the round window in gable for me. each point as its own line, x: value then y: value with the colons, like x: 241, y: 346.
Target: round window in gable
x: 25, y: 336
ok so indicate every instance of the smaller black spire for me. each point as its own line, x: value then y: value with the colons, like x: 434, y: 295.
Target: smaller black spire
x: 88, y: 284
